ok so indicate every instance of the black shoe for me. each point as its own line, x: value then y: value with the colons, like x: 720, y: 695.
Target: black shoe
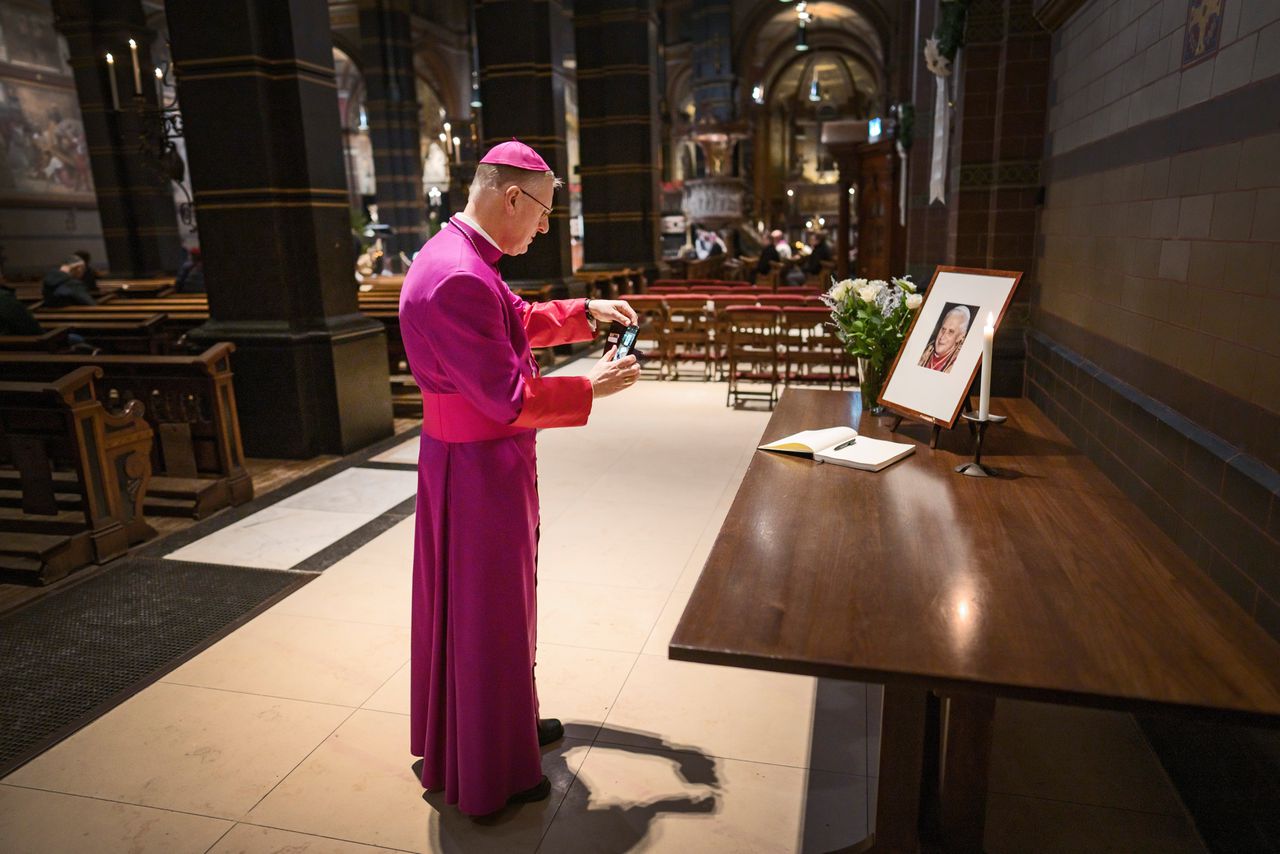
x: 550, y: 730
x: 537, y: 792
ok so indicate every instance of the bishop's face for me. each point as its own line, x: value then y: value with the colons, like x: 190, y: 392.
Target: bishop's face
x: 951, y: 333
x: 533, y: 214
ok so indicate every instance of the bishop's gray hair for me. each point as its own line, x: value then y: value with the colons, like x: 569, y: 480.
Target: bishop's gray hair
x: 499, y: 176
x: 965, y: 316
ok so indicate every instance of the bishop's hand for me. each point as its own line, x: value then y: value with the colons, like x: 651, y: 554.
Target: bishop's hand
x: 608, y: 377
x: 613, y: 309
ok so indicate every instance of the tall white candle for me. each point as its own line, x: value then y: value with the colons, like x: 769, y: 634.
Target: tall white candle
x: 457, y: 150
x: 159, y: 86
x: 137, y: 69
x: 984, y: 392
x: 111, y: 77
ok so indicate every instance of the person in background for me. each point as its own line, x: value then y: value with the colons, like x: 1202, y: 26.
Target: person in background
x: 191, y: 274
x: 820, y: 250
x: 15, y: 318
x: 709, y: 244
x: 90, y: 278
x: 768, y: 255
x: 780, y: 243
x: 63, y: 286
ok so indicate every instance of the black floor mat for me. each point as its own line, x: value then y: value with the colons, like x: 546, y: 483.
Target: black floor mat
x: 67, y: 658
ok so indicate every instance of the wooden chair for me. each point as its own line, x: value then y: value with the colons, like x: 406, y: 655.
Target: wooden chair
x: 811, y: 351
x: 751, y: 352
x: 781, y: 300
x: 690, y: 333
x: 652, y: 343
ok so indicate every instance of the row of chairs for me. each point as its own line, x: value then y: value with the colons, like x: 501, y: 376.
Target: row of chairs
x: 672, y: 286
x: 756, y: 348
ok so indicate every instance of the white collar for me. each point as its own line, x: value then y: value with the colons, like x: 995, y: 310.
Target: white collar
x: 475, y: 226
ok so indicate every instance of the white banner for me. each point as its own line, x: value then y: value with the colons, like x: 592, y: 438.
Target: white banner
x: 941, y: 141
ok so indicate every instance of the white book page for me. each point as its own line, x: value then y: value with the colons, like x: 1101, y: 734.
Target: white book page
x: 811, y: 441
x: 868, y: 453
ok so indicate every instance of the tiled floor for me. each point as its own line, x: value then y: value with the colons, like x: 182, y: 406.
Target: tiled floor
x: 291, y: 733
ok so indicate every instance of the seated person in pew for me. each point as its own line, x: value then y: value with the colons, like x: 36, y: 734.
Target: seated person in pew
x: 15, y: 318
x: 90, y: 277
x: 64, y: 286
x: 190, y: 278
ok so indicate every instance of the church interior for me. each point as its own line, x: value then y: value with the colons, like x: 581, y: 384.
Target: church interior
x: 213, y: 440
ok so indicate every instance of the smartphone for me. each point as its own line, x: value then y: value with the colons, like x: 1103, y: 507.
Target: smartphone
x: 628, y: 341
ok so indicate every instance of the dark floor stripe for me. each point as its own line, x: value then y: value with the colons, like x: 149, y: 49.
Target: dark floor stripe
x: 66, y: 659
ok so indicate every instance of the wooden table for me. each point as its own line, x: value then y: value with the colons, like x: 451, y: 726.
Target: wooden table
x: 953, y: 591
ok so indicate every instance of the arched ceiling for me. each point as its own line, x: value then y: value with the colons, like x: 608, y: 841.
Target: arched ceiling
x: 845, y: 85
x: 854, y: 28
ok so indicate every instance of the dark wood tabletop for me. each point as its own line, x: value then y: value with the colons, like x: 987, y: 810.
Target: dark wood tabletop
x: 1048, y: 585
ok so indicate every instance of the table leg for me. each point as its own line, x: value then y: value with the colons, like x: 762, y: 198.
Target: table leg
x: 966, y: 757
x: 902, y: 752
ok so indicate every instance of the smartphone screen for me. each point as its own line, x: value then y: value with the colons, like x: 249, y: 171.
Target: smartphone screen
x: 627, y: 342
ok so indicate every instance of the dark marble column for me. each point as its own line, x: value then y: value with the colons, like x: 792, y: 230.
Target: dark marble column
x: 392, y: 106
x: 135, y: 201
x: 617, y: 53
x: 522, y: 45
x: 259, y: 103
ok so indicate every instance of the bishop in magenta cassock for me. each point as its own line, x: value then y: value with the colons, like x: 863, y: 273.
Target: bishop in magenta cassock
x: 473, y: 702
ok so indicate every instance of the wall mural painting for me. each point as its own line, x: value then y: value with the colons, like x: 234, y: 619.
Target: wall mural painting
x: 42, y: 139
x: 28, y: 39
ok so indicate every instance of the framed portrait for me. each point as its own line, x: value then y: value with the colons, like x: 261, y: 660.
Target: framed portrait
x: 942, y: 351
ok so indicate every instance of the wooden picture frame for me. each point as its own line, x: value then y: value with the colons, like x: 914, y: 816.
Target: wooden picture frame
x: 931, y: 385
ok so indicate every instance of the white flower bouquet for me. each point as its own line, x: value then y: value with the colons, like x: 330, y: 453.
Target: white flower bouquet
x: 871, y: 318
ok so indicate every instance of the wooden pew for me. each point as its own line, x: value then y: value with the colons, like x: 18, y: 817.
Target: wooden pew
x: 45, y: 532
x: 49, y: 342
x: 197, y: 458
x: 173, y: 322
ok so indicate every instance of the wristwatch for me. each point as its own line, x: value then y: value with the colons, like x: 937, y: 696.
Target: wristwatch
x: 591, y: 321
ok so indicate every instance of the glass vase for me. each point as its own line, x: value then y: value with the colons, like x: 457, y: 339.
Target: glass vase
x: 870, y: 378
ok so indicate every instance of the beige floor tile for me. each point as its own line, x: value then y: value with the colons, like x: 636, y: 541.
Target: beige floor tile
x: 1085, y: 756
x: 36, y: 822
x: 215, y: 753
x: 580, y: 685
x: 1017, y: 825
x: 596, y: 616
x: 667, y: 621
x: 302, y: 658
x: 391, y: 548
x: 393, y: 696
x: 750, y: 715
x: 248, y: 839
x: 628, y: 800
x: 358, y: 786
x: 354, y: 592
x: 647, y: 552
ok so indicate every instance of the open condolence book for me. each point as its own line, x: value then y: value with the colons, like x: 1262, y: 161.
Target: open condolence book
x: 843, y: 447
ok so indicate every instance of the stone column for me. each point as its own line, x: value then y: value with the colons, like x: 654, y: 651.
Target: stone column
x: 617, y: 53
x: 392, y: 106
x: 522, y: 45
x: 260, y: 108
x: 135, y: 201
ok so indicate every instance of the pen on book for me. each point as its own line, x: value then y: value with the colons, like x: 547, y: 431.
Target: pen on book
x: 844, y: 445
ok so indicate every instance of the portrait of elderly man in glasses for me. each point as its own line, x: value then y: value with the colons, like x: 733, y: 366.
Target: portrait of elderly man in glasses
x: 474, y: 715
x: 948, y: 339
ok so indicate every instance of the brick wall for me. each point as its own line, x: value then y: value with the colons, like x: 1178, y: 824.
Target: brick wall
x: 1161, y: 229
x: 1156, y: 340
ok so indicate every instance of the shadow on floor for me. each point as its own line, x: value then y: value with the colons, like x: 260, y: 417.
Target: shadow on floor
x: 606, y: 828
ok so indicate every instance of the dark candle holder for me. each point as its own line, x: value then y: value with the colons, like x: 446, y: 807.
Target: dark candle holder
x: 976, y: 468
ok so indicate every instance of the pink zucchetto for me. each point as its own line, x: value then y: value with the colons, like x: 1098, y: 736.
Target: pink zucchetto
x: 517, y: 154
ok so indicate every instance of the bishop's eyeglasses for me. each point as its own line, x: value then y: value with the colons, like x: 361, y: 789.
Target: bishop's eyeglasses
x: 547, y: 211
